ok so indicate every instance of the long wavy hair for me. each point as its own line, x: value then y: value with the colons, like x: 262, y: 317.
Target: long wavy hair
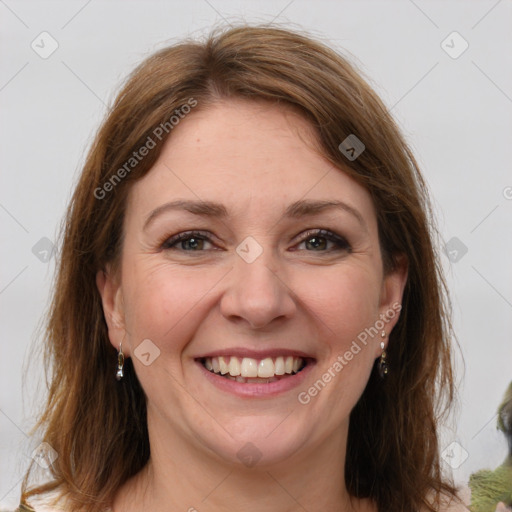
x: 98, y: 426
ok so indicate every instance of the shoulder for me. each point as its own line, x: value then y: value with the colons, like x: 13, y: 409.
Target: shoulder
x: 454, y: 506
x: 39, y: 507
x: 459, y: 503
x: 47, y: 503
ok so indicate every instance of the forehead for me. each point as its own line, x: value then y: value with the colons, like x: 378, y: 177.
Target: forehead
x: 252, y: 156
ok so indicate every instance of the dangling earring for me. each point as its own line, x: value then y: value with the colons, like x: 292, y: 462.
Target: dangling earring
x: 120, y: 362
x: 383, y: 365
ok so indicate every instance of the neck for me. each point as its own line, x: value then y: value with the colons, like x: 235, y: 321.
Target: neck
x: 181, y: 476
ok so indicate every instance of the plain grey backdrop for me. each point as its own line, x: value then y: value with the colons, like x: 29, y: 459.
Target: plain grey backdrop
x: 442, y: 67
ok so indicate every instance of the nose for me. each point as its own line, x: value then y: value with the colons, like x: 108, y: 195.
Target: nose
x: 257, y: 294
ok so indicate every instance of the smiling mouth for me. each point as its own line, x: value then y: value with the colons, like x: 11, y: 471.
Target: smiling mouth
x: 257, y: 371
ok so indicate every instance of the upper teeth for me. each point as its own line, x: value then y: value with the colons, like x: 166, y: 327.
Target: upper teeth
x: 249, y: 367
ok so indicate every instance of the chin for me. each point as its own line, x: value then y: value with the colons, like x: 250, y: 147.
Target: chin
x: 257, y: 441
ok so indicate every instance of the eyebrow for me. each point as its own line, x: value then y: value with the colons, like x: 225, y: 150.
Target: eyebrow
x: 298, y: 209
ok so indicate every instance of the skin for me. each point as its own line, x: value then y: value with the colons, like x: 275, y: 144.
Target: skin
x: 299, y: 294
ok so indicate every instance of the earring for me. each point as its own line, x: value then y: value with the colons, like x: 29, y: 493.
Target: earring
x: 120, y: 362
x: 383, y: 365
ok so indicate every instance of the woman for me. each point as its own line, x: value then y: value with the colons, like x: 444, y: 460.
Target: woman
x: 249, y: 251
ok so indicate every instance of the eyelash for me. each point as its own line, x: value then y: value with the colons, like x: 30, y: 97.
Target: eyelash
x: 341, y: 243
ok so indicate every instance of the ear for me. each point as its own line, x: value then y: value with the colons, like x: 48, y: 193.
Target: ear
x: 392, y: 292
x: 110, y: 290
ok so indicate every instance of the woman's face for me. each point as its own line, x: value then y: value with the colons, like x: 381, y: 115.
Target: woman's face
x: 246, y: 253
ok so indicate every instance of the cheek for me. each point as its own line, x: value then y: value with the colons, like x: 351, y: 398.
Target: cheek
x: 344, y: 300
x: 344, y: 304
x: 163, y: 302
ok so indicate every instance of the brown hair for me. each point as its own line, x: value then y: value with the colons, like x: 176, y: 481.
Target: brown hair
x: 98, y: 426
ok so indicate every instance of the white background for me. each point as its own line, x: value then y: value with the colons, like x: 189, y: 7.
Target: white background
x: 456, y: 113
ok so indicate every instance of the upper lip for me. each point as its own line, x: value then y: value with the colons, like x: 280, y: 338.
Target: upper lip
x: 255, y: 354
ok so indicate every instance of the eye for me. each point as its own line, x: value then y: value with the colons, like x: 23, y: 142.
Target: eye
x: 191, y: 241
x: 315, y: 240
x: 323, y: 240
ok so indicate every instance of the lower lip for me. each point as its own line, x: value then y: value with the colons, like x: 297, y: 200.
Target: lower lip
x: 257, y: 390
